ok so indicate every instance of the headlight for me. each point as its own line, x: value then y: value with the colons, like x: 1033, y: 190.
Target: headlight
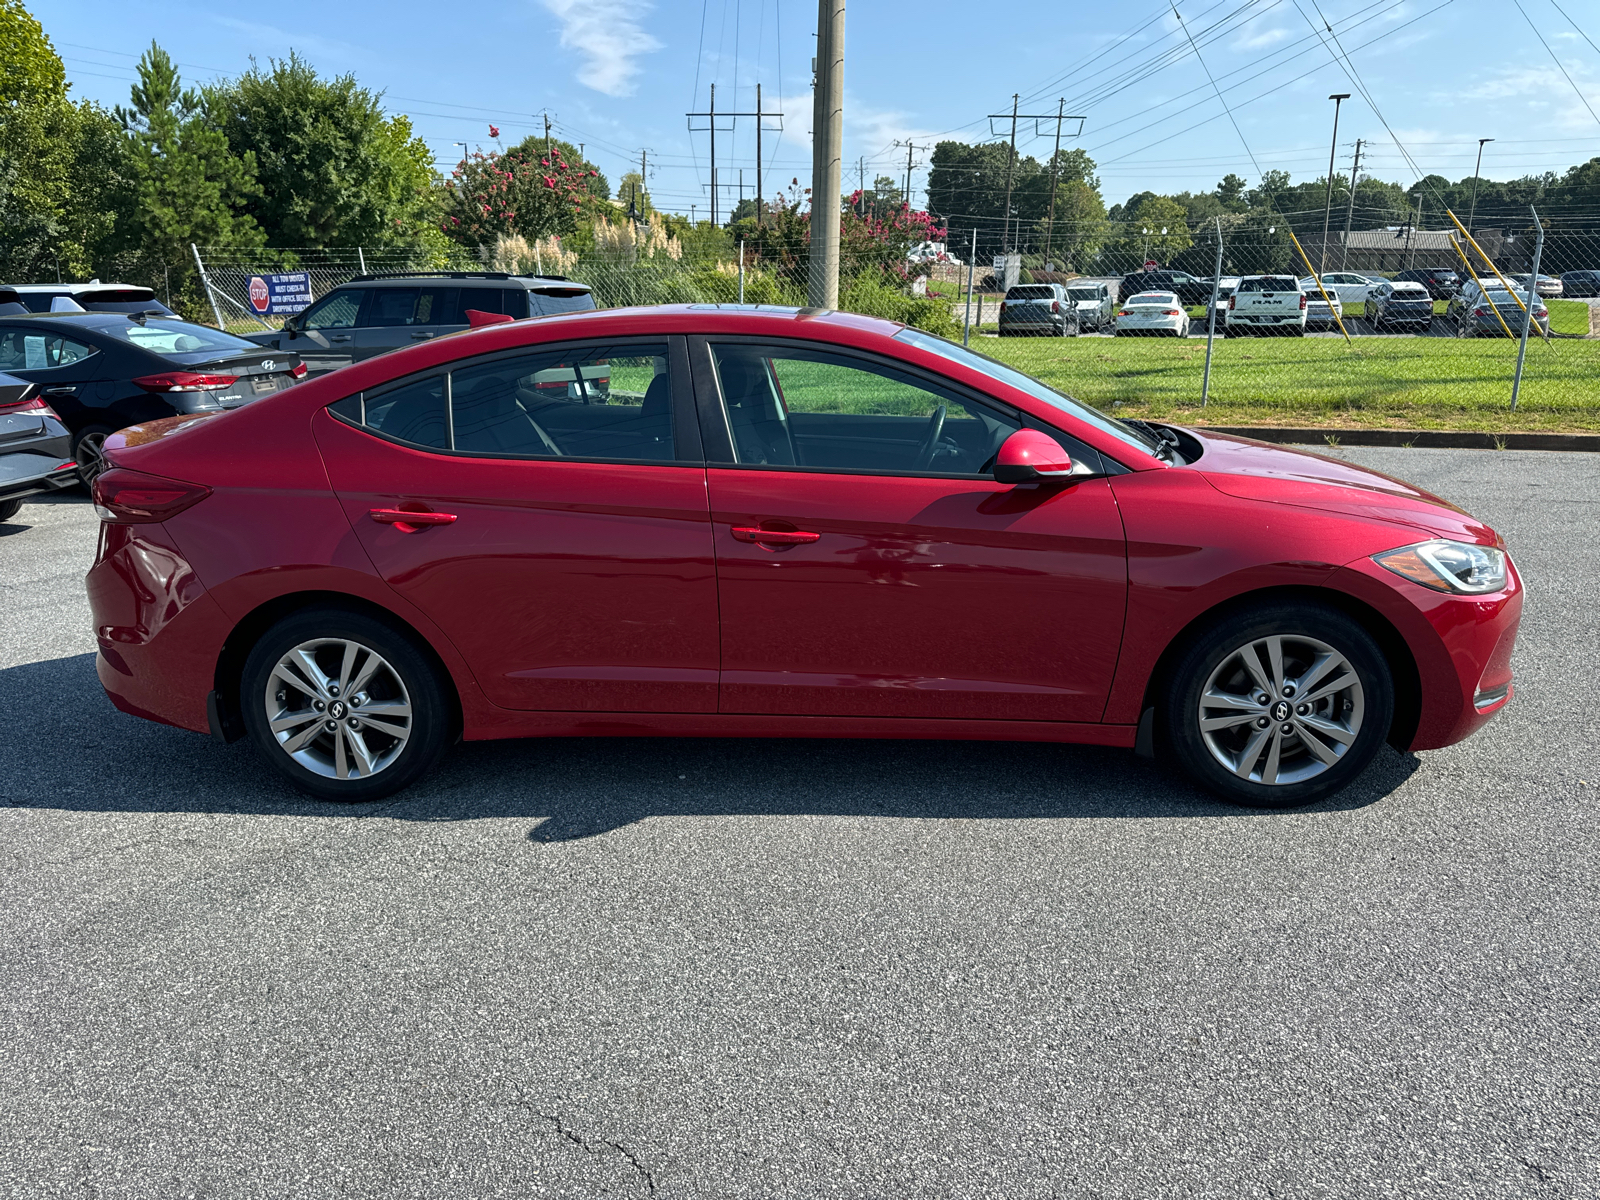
x: 1448, y: 566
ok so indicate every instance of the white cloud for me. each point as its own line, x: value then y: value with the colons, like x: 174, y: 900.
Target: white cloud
x: 1265, y: 37
x: 608, y: 35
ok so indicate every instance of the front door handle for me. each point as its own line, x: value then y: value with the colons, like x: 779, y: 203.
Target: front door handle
x: 410, y: 522
x: 339, y: 337
x: 774, y: 537
x: 421, y: 333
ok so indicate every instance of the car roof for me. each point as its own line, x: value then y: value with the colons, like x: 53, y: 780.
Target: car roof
x: 412, y: 278
x: 75, y: 289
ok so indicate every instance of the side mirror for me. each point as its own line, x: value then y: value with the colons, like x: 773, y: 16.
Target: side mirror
x: 1028, y: 456
x: 289, y: 327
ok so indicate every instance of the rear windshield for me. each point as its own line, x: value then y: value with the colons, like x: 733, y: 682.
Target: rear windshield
x: 548, y: 301
x: 1270, y: 283
x: 1410, y: 291
x: 1154, y: 298
x: 1038, y: 291
x: 170, y: 338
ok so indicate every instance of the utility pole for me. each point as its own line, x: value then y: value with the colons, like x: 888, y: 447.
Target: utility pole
x: 861, y: 186
x: 642, y: 154
x: 1327, y: 203
x: 547, y: 135
x: 1350, y: 212
x: 1011, y: 159
x: 711, y: 115
x: 906, y: 194
x: 761, y: 215
x: 1058, y: 117
x: 1472, y: 213
x: 827, y: 138
x: 1050, y: 223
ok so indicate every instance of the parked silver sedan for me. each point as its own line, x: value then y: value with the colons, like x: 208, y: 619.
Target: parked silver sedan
x: 1475, y: 313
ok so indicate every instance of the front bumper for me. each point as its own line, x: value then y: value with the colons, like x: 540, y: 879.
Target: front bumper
x: 1461, y: 645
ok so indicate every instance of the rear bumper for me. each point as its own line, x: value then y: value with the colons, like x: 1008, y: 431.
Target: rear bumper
x: 27, y: 473
x: 159, y: 632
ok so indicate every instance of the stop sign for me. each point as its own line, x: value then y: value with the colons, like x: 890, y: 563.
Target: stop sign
x: 260, y: 296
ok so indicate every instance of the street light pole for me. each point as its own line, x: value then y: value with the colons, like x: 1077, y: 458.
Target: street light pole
x: 1327, y: 204
x: 1476, y: 171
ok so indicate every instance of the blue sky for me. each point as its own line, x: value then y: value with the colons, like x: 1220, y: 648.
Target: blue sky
x: 619, y: 75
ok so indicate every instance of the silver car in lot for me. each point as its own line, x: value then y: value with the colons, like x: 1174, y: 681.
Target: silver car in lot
x: 1097, y: 309
x: 1549, y: 286
x: 1474, y: 313
x: 1038, y: 308
x: 1392, y: 306
x: 35, y: 446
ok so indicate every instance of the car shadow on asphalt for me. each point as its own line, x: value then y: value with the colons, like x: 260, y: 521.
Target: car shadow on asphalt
x: 575, y: 788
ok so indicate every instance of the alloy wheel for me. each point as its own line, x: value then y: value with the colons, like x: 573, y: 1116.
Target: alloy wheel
x: 90, y: 454
x: 338, y: 708
x: 1281, y: 709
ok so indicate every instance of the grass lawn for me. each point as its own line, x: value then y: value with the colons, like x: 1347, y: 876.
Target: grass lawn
x: 1392, y: 383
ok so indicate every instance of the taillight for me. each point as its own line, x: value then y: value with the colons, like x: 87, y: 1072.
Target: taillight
x: 1170, y: 312
x: 126, y: 497
x: 1480, y: 311
x: 1124, y: 313
x: 1302, y: 301
x: 299, y: 370
x: 34, y: 406
x: 185, y: 381
x: 1233, y: 302
x: 1055, y: 306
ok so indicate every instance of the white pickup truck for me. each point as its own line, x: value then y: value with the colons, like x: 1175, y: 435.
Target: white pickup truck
x: 1267, y: 304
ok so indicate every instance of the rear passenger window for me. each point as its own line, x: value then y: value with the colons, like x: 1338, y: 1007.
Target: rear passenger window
x: 600, y: 401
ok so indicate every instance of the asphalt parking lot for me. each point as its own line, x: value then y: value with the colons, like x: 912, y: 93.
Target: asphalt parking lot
x: 728, y: 969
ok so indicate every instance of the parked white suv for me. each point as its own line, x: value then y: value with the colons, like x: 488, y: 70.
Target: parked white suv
x: 1267, y: 304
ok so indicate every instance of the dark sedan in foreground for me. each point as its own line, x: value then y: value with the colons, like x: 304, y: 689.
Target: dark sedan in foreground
x: 35, y: 447
x: 780, y: 523
x: 102, y: 371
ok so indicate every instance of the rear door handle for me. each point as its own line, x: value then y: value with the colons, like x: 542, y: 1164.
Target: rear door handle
x: 343, y: 337
x: 410, y: 522
x: 421, y: 333
x: 61, y: 391
x: 774, y: 537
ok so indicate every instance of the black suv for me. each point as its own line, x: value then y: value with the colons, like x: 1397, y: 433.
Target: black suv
x: 1442, y: 283
x: 1187, y: 288
x: 373, y: 314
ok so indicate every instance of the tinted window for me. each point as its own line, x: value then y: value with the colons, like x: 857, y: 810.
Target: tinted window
x: 1271, y: 283
x: 483, y: 299
x: 601, y: 401
x: 392, y: 306
x: 437, y: 306
x: 21, y: 350
x: 413, y: 412
x: 547, y: 301
x: 1084, y: 293
x: 1032, y: 291
x: 807, y: 408
x: 336, y: 311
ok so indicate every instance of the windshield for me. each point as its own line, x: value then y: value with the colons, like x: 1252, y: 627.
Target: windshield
x: 177, y: 337
x: 1024, y: 383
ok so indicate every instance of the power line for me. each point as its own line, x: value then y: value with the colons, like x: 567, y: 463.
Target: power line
x: 1554, y: 59
x: 1215, y: 88
x: 1574, y: 24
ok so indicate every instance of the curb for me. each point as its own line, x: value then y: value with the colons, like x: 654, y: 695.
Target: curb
x: 1423, y: 439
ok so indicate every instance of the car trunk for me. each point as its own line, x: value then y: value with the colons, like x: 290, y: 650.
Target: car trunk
x: 255, y: 375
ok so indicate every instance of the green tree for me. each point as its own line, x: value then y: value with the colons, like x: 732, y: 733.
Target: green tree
x: 189, y: 185
x: 335, y: 170
x: 62, y: 168
x: 1153, y: 227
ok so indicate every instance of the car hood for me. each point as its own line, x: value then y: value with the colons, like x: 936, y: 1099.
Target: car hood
x: 1253, y: 470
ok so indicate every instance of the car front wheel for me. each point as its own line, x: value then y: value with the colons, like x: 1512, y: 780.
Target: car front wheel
x: 1279, y: 706
x: 88, y: 447
x: 344, y: 706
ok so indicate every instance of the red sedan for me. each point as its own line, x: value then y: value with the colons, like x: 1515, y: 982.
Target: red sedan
x: 774, y: 523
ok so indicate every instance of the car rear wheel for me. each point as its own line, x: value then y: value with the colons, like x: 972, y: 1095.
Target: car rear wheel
x: 346, y: 707
x: 9, y: 509
x: 1280, y: 705
x: 88, y: 447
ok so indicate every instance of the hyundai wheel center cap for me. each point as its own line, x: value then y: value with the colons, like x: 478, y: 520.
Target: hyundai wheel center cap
x: 336, y: 710
x: 1280, y: 711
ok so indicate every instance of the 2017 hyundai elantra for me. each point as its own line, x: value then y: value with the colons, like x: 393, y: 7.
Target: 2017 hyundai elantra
x: 774, y: 523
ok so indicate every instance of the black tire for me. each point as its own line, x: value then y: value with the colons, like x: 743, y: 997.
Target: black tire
x: 431, y: 720
x: 1180, y: 715
x: 86, y: 444
x: 9, y: 509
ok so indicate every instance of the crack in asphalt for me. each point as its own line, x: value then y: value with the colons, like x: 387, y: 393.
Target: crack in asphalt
x: 577, y: 1139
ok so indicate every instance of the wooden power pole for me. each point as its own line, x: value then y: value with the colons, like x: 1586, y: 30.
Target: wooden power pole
x: 827, y: 137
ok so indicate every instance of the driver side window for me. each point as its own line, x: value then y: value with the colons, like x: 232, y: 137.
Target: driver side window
x: 338, y: 311
x: 801, y: 408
